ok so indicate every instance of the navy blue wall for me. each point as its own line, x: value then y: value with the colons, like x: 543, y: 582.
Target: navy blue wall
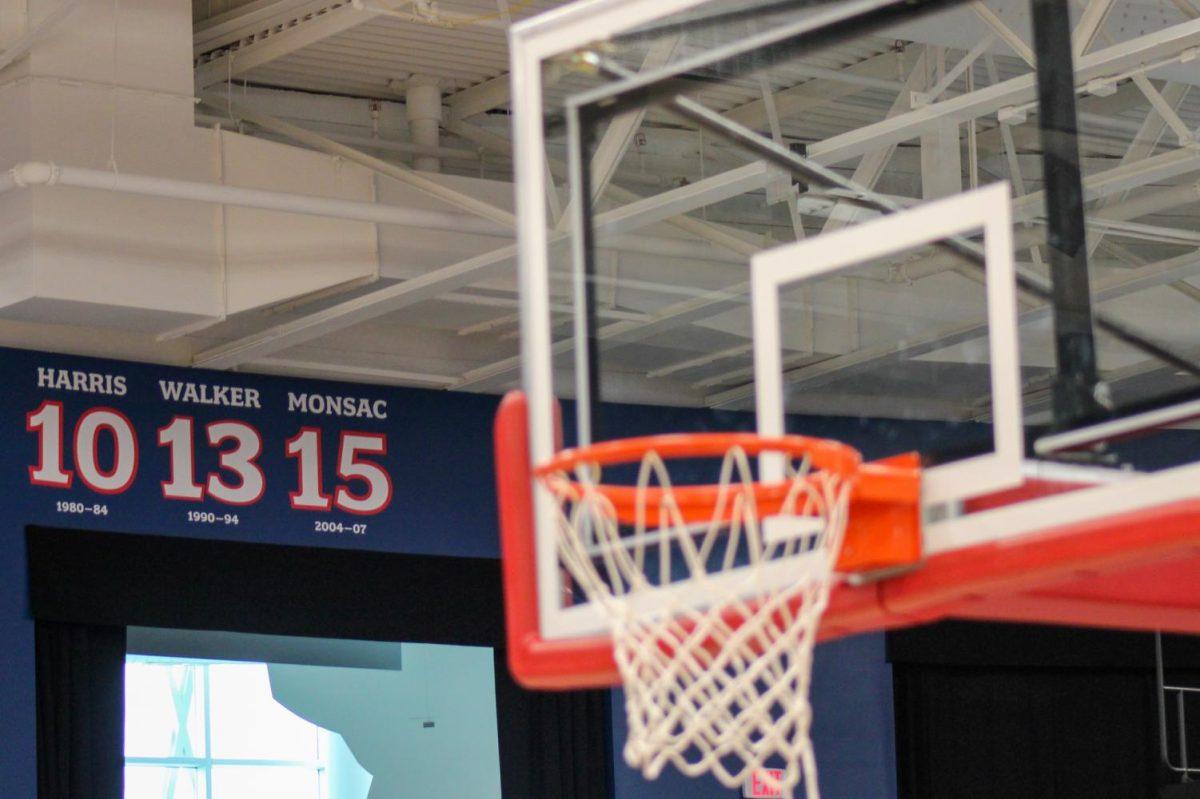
x: 439, y: 460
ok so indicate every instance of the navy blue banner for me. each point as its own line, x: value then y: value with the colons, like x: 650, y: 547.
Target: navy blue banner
x: 142, y: 448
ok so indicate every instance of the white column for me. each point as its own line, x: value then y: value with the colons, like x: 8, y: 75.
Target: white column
x: 941, y: 153
x: 423, y: 101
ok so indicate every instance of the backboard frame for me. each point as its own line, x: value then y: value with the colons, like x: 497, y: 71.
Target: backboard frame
x: 570, y: 29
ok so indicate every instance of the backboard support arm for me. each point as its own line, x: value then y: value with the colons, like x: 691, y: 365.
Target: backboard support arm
x: 1076, y: 388
x: 582, y: 146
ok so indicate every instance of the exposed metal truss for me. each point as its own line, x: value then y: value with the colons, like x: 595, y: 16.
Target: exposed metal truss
x: 465, y: 273
x: 21, y: 46
x: 1134, y: 54
x: 277, y: 37
x: 849, y: 97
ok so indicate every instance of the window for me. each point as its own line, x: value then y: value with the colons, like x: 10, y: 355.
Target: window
x: 197, y: 729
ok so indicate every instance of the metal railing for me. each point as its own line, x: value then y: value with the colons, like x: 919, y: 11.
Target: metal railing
x: 1180, y: 693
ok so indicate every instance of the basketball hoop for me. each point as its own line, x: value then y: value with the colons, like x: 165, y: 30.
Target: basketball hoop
x: 713, y: 591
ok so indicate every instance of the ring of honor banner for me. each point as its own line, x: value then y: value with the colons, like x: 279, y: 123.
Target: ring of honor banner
x: 140, y: 448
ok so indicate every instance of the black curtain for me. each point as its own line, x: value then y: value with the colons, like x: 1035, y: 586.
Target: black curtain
x: 1020, y: 732
x: 87, y: 587
x: 551, y: 744
x: 998, y: 710
x: 80, y: 710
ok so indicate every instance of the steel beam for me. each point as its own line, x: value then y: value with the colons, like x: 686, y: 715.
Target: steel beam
x: 394, y: 171
x: 684, y: 312
x: 438, y: 17
x: 1164, y: 109
x: 687, y: 311
x: 1131, y: 54
x: 479, y: 98
x: 46, y: 174
x: 661, y: 207
x: 870, y: 167
x: 728, y: 239
x: 846, y: 76
x: 490, y: 301
x: 620, y: 131
x: 955, y: 72
x: 279, y: 39
x: 36, y: 31
x: 1009, y: 149
x: 1156, y: 233
x: 1187, y: 8
x: 359, y: 309
x: 464, y: 273
x: 244, y: 20
x: 702, y: 360
x: 1155, y: 169
x: 814, y: 93
x: 1146, y: 203
x: 1144, y: 143
x: 1005, y: 33
x: 1090, y: 23
x: 493, y: 93
x: 668, y: 318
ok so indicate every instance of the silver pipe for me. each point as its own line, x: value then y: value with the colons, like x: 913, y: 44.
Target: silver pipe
x: 389, y: 145
x: 45, y: 174
x: 33, y: 173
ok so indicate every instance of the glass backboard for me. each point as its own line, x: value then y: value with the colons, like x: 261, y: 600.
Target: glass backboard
x: 647, y: 248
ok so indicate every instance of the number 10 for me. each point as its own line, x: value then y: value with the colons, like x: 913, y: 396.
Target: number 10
x: 47, y: 421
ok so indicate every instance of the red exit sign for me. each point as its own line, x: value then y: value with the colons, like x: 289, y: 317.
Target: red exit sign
x: 764, y: 783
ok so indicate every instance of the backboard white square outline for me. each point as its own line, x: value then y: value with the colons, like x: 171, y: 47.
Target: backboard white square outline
x: 989, y: 209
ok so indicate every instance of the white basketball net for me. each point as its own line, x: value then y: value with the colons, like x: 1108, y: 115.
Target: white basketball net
x: 713, y: 624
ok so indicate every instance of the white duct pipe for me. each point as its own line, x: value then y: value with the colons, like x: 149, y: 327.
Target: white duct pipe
x: 33, y: 173
x: 390, y: 145
x: 423, y: 108
x: 407, y: 176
